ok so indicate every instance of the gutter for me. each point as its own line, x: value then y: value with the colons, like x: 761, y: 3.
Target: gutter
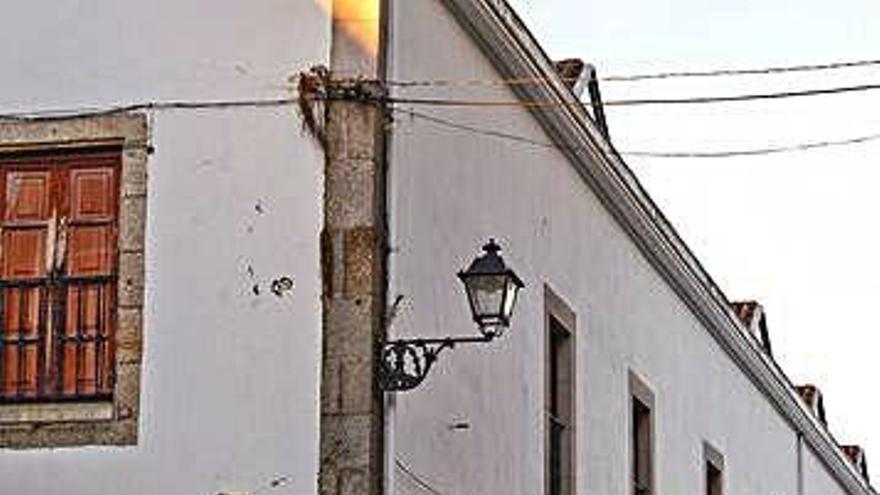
x: 516, y: 54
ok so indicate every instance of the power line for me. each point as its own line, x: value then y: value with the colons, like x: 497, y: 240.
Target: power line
x: 441, y: 102
x: 521, y: 81
x: 649, y: 154
x: 153, y: 105
x: 745, y: 72
x: 770, y: 150
x: 195, y: 105
x: 258, y: 103
x: 747, y: 97
x: 476, y: 130
x: 416, y: 478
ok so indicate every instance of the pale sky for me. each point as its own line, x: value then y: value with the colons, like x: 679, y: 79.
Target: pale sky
x: 795, y: 231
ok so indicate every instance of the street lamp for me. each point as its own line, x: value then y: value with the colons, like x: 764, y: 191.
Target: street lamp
x: 491, y: 288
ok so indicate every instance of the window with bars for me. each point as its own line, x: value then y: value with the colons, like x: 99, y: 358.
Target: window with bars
x: 58, y: 260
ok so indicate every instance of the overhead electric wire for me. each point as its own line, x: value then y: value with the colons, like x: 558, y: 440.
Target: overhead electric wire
x: 441, y: 102
x: 416, y: 478
x: 476, y: 130
x: 769, y: 150
x: 257, y: 103
x: 641, y: 77
x: 455, y: 102
x: 745, y: 72
x: 152, y: 105
x: 746, y: 97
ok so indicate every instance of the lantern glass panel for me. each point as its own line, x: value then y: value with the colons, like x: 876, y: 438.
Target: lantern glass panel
x: 487, y: 295
x: 510, y: 299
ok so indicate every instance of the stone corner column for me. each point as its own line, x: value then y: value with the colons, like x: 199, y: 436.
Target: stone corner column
x: 353, y: 247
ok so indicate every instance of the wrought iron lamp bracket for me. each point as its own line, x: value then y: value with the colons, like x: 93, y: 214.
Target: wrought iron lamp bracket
x: 404, y: 364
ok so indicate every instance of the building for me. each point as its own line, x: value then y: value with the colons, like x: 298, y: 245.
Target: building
x: 660, y: 387
x: 210, y: 382
x: 201, y: 258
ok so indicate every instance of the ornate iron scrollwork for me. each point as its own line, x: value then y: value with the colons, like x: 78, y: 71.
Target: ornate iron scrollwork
x: 404, y: 364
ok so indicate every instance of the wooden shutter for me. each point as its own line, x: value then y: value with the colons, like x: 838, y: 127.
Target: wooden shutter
x: 91, y: 251
x: 25, y: 232
x: 58, y: 264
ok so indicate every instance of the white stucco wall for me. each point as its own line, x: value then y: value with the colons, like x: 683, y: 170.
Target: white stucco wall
x: 817, y: 479
x: 229, y: 396
x: 451, y: 190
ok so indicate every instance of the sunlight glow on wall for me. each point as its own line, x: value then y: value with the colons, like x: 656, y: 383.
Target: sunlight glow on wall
x: 359, y: 19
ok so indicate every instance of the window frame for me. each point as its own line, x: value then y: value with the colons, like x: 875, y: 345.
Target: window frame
x: 54, y: 351
x: 640, y: 392
x: 114, y: 421
x: 713, y: 459
x: 558, y: 311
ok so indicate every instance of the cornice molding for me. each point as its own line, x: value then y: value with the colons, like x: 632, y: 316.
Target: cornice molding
x: 516, y: 54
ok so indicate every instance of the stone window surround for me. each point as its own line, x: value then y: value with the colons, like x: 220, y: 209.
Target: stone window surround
x: 114, y: 422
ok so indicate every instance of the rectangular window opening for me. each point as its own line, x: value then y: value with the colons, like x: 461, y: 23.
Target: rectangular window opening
x: 58, y: 255
x: 560, y: 396
x: 714, y: 470
x: 560, y: 408
x: 713, y: 479
x: 642, y: 447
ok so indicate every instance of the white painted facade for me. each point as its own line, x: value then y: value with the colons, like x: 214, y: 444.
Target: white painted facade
x: 229, y: 392
x: 451, y: 190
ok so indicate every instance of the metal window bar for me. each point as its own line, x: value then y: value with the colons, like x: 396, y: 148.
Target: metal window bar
x: 22, y: 307
x: 43, y: 314
x: 59, y: 321
x: 2, y: 341
x: 79, y: 352
x: 53, y: 303
x: 99, y: 336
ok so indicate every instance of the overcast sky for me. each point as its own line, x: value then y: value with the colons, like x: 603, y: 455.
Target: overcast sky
x: 796, y: 231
